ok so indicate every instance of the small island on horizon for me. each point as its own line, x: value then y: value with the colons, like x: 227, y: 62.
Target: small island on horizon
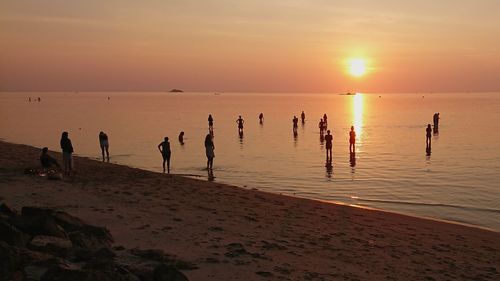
x: 176, y: 91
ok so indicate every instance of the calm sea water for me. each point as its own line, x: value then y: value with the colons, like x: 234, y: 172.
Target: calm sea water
x: 459, y: 181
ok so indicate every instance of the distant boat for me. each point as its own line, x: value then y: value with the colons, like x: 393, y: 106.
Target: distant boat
x: 348, y: 94
x: 176, y: 91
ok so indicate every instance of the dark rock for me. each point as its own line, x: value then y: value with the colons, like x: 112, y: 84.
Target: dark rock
x: 90, y: 236
x: 7, y: 211
x: 34, y: 272
x: 12, y: 235
x: 67, y: 221
x: 164, y: 272
x: 101, y: 259
x: 10, y: 260
x: 38, y: 225
x: 66, y: 274
x: 54, y: 245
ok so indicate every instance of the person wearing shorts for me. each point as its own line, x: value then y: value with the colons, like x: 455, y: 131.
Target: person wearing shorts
x: 104, y: 143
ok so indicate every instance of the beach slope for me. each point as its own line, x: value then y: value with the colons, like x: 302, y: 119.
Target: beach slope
x: 235, y: 234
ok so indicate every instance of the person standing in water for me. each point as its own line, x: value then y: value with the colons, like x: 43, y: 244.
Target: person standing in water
x: 325, y: 121
x: 164, y: 148
x: 181, y: 138
x: 240, y: 122
x: 329, y: 145
x: 209, y: 151
x: 321, y: 127
x: 428, y: 135
x: 67, y: 153
x: 210, y: 124
x: 261, y: 118
x: 352, y: 140
x: 303, y: 117
x: 104, y: 144
x: 295, y: 122
x: 436, y: 122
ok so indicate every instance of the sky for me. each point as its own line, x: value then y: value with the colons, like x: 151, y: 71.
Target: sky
x: 249, y: 46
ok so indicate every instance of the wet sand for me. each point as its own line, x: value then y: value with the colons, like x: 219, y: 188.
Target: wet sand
x: 232, y: 233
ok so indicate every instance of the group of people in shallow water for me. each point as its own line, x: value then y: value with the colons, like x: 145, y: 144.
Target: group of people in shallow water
x: 164, y: 147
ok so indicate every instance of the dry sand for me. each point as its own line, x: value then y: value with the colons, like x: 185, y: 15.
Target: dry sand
x: 237, y: 234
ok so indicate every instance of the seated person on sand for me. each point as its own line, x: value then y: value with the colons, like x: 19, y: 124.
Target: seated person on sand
x: 46, y: 160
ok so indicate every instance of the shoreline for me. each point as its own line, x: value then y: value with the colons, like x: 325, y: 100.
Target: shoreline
x: 197, y: 177
x: 234, y: 233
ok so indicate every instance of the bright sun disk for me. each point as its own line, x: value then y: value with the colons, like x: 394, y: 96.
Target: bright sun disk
x: 357, y: 67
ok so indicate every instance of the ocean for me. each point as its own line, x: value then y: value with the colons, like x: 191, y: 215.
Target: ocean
x: 457, y: 181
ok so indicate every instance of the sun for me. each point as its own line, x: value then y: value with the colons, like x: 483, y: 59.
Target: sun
x: 357, y: 67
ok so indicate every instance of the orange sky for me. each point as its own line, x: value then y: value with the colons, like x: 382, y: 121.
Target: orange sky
x: 258, y: 45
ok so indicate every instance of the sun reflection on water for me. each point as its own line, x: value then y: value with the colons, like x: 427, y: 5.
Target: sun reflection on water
x: 357, y: 112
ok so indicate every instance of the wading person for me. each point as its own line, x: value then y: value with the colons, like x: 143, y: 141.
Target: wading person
x: 164, y: 148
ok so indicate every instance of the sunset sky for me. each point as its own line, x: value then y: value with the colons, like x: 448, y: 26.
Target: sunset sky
x: 254, y: 45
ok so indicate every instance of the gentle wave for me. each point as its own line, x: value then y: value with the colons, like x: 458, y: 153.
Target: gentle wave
x: 429, y: 204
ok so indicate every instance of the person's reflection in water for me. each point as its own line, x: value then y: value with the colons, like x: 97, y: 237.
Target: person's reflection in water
x: 329, y: 168
x: 428, y: 150
x: 352, y: 159
x: 295, y: 138
x: 240, y: 137
x: 210, y: 175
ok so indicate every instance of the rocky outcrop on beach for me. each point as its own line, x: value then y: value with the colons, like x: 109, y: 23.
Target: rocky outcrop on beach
x: 46, y: 244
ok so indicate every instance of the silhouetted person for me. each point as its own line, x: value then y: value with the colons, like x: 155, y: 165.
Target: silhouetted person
x: 325, y: 121
x: 436, y: 122
x: 303, y: 117
x: 295, y: 122
x: 67, y: 153
x: 46, y: 160
x: 164, y: 148
x: 210, y: 124
x: 181, y: 137
x: 29, y: 99
x: 39, y: 99
x: 321, y: 127
x: 329, y: 145
x: 240, y: 122
x: 352, y: 140
x: 104, y: 143
x: 261, y: 118
x: 428, y: 136
x: 209, y: 151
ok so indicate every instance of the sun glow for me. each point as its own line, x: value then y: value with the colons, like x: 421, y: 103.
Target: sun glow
x: 357, y: 67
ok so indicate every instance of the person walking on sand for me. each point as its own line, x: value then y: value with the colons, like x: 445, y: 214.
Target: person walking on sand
x: 67, y: 153
x: 329, y: 145
x: 104, y: 143
x: 210, y: 124
x: 209, y: 150
x: 352, y: 140
x: 303, y: 117
x: 240, y: 122
x: 428, y: 135
x: 261, y: 118
x: 164, y: 148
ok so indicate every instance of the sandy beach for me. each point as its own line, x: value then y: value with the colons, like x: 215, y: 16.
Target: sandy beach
x: 232, y: 233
